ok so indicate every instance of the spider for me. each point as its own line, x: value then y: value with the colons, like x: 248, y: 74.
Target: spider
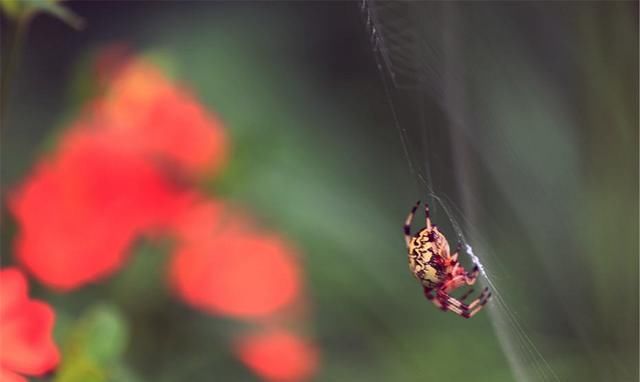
x: 438, y: 271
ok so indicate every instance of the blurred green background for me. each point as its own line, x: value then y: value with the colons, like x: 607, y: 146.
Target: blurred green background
x: 539, y: 165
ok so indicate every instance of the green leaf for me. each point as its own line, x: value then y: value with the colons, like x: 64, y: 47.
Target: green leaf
x: 94, y: 346
x: 17, y: 9
x: 105, y: 334
x: 53, y: 8
x: 80, y: 368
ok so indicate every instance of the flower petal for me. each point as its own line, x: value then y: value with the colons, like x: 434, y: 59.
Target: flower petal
x: 143, y: 109
x: 237, y: 272
x: 278, y: 355
x: 79, y: 212
x: 14, y: 289
x: 25, y: 329
x: 8, y: 376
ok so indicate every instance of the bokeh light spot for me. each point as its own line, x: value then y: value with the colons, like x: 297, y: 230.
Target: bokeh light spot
x: 278, y: 355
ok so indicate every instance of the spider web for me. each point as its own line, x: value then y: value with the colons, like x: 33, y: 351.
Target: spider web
x: 412, y: 80
x: 472, y: 102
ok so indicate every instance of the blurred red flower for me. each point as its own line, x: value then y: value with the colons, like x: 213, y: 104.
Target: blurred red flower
x: 278, y: 355
x: 234, y: 270
x: 80, y: 211
x: 26, y: 343
x: 143, y: 110
x: 198, y: 222
x: 112, y: 176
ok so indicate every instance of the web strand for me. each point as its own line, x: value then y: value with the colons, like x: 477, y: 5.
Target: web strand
x: 401, y: 68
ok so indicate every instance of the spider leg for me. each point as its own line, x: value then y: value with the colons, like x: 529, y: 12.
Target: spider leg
x: 467, y: 313
x: 471, y: 276
x: 455, y: 283
x: 442, y: 298
x: 428, y: 293
x: 427, y: 216
x: 477, y: 309
x: 457, y: 271
x: 470, y: 312
x: 465, y: 295
x: 461, y: 309
x: 407, y: 224
x: 453, y: 259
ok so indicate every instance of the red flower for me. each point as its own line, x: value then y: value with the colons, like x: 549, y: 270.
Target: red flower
x: 110, y: 180
x: 141, y: 109
x: 198, y: 222
x: 26, y: 343
x: 234, y: 270
x: 80, y: 211
x: 278, y: 355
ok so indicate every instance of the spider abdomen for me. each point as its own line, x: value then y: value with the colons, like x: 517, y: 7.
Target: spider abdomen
x: 427, y: 268
x: 426, y: 260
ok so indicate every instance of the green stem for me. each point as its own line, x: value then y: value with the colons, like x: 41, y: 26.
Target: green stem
x: 10, y: 62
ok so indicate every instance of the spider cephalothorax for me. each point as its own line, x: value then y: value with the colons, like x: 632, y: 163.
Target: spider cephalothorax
x: 438, y: 270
